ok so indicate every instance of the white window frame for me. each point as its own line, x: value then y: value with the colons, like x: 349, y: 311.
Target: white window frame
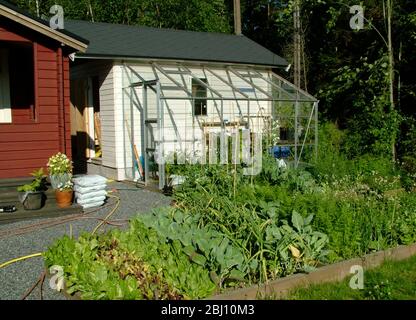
x: 5, y: 104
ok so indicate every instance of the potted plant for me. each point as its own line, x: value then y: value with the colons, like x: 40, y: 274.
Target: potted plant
x: 60, y: 169
x: 64, y: 194
x: 32, y: 195
x: 60, y: 174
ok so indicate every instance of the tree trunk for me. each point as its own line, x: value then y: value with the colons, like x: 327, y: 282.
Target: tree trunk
x: 296, y: 45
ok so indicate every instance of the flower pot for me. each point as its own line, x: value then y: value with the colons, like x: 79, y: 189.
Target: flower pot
x: 59, y: 179
x: 64, y: 198
x: 31, y: 200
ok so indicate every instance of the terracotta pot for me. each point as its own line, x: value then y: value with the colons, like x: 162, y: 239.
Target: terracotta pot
x: 64, y: 198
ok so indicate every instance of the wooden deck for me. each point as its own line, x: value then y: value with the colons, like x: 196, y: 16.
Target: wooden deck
x: 8, y: 196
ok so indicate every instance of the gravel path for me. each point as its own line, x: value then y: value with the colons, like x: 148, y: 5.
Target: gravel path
x: 17, y: 278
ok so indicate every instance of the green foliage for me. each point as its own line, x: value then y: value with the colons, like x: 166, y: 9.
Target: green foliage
x: 347, y: 71
x: 128, y: 265
x: 196, y: 15
x: 377, y: 172
x: 373, y: 127
x: 253, y: 217
x: 293, y: 179
x: 204, y: 246
x: 261, y: 252
x: 331, y: 162
x: 380, y: 291
x: 407, y: 150
x: 351, y: 201
x: 38, y: 183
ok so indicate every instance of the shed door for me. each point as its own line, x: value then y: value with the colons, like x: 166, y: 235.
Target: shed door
x: 5, y: 108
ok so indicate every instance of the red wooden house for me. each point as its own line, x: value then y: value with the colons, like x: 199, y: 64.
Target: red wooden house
x: 34, y: 91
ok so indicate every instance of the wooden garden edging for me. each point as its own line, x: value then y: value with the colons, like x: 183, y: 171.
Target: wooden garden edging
x: 335, y: 272
x: 281, y: 287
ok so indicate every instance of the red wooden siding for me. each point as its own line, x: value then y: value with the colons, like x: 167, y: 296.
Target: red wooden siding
x: 8, y: 35
x: 25, y: 147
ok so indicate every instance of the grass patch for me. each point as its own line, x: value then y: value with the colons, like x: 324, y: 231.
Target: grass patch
x: 393, y: 280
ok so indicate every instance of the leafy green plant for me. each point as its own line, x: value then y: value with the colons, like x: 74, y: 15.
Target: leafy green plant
x: 204, y: 246
x: 252, y: 219
x: 128, y: 265
x: 38, y: 183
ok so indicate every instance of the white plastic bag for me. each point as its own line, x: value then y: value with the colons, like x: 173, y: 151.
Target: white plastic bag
x: 85, y: 190
x: 90, y: 195
x: 89, y: 180
x: 93, y: 205
x: 90, y: 200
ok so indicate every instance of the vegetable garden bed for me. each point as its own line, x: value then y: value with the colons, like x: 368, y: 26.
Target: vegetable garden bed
x: 228, y: 231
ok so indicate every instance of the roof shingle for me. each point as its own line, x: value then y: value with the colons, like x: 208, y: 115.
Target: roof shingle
x: 123, y: 41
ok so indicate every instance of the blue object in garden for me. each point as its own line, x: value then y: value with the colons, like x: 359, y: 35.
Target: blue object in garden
x: 275, y: 152
x: 285, y: 152
x: 279, y: 152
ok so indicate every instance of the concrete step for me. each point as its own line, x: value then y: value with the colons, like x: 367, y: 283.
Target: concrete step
x: 15, y: 182
x: 10, y: 185
x: 49, y: 210
x: 12, y: 196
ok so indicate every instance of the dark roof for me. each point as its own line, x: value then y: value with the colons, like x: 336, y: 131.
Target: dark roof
x: 123, y: 41
x: 45, y: 23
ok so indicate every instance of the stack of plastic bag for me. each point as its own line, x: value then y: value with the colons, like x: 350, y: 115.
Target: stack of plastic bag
x: 90, y: 191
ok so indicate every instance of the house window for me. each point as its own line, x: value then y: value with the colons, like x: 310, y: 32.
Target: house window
x: 199, y: 92
x: 22, y: 84
x: 5, y: 106
x: 17, y: 87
